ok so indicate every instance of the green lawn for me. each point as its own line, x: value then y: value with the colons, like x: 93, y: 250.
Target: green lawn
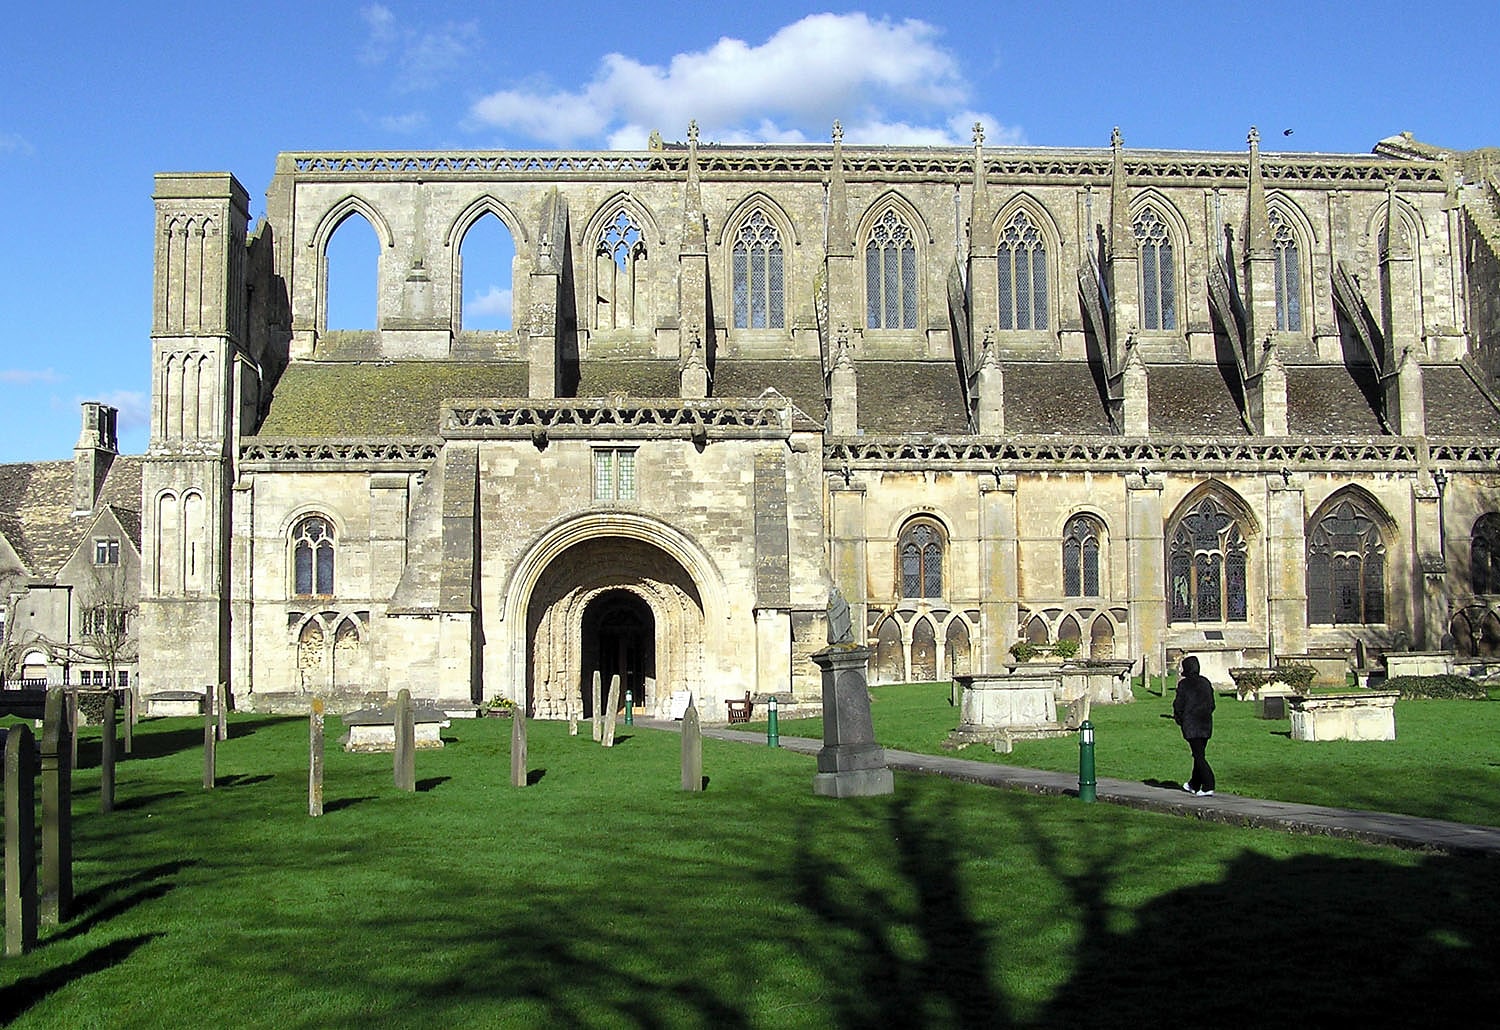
x: 1444, y: 762
x: 603, y: 896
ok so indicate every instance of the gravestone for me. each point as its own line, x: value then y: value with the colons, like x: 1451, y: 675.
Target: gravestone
x: 598, y: 710
x: 20, y: 840
x: 221, y: 709
x: 210, y: 739
x: 72, y: 696
x: 57, y: 811
x: 572, y: 726
x: 315, y: 759
x: 692, y: 750
x: 609, y: 711
x: 406, y: 743
x: 129, y: 720
x: 518, y: 747
x: 850, y: 763
x: 107, y: 755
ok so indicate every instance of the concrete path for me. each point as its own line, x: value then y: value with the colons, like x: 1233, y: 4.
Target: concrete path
x: 1402, y: 831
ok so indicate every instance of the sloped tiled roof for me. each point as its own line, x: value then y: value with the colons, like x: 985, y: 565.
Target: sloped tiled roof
x: 1192, y: 400
x: 370, y: 399
x: 36, y: 509
x: 1053, y: 398
x: 641, y: 377
x: 897, y: 397
x: 1327, y: 400
x: 1455, y: 405
x: 801, y: 382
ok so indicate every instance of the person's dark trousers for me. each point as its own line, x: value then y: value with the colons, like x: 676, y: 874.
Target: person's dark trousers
x: 1203, y: 774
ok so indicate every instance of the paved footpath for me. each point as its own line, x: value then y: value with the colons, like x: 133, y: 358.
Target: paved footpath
x: 1402, y: 831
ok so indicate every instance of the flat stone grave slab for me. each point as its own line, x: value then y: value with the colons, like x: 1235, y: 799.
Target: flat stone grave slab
x: 374, y: 729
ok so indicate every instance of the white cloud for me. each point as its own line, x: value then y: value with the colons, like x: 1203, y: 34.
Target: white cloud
x: 27, y: 376
x: 402, y: 123
x: 134, y: 407
x: 874, y: 73
x: 494, y: 303
x: 422, y: 57
x: 13, y: 143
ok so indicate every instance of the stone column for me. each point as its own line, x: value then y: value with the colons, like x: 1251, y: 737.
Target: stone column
x: 57, y: 811
x: 1429, y: 610
x: 1286, y: 571
x: 20, y: 840
x: 999, y: 570
x: 1145, y: 567
x: 847, y: 550
x: 850, y: 764
x: 406, y: 743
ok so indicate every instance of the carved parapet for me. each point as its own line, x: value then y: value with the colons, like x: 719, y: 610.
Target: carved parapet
x: 387, y: 454
x: 773, y: 417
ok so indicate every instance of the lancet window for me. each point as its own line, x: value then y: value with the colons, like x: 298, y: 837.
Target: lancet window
x: 891, y: 275
x: 1081, y: 545
x: 758, y: 275
x: 1288, y: 275
x: 1207, y: 565
x: 921, y: 554
x: 620, y: 257
x: 1023, y: 275
x: 1345, y: 568
x: 1158, y: 276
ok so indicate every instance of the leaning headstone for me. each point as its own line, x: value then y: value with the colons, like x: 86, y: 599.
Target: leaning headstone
x: 609, y: 711
x: 20, y: 840
x: 406, y: 743
x: 598, y: 710
x: 129, y: 720
x: 850, y: 764
x: 315, y: 759
x: 692, y: 750
x: 210, y: 739
x: 221, y: 709
x: 57, y: 812
x: 518, y: 747
x: 107, y: 755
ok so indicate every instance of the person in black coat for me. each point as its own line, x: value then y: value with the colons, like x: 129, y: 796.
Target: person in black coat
x: 1193, y: 708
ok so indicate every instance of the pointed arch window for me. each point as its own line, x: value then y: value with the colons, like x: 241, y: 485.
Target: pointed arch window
x: 758, y: 275
x: 1288, y: 275
x: 1206, y: 566
x: 1345, y: 568
x: 891, y: 275
x: 312, y: 557
x: 1158, y: 275
x: 920, y: 549
x: 1081, y: 544
x: 619, y: 259
x: 1023, y: 275
x: 1484, y: 554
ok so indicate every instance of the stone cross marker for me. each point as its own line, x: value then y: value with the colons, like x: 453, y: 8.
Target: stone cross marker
x: 598, y: 710
x: 315, y: 759
x: 406, y: 742
x: 20, y: 840
x: 692, y: 750
x: 210, y: 738
x: 221, y: 709
x: 609, y: 711
x: 57, y: 811
x: 107, y: 755
x: 518, y: 747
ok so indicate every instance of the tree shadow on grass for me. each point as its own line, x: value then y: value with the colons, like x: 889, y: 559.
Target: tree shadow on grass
x: 23, y: 994
x: 115, y: 908
x: 88, y: 899
x: 338, y: 804
x: 143, y: 800
x: 241, y: 780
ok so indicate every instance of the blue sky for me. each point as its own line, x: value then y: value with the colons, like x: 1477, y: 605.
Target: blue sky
x: 97, y: 97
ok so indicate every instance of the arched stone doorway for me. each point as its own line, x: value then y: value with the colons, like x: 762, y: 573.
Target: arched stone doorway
x: 612, y: 604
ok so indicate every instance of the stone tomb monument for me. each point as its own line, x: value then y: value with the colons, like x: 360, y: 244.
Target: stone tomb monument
x: 374, y: 729
x: 850, y: 764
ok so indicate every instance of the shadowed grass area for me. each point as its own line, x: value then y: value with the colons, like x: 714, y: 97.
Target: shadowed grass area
x: 604, y: 896
x: 1443, y: 764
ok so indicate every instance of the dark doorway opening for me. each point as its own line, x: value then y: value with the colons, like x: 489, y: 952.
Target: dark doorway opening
x: 619, y: 638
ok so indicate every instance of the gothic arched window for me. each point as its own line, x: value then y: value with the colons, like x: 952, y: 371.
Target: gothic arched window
x: 1345, y: 568
x: 619, y: 283
x: 920, y: 549
x: 1206, y: 566
x: 1081, y: 539
x: 1288, y: 275
x: 758, y: 276
x: 1484, y: 554
x: 312, y: 557
x: 891, y: 275
x: 1023, y: 275
x: 1158, y: 276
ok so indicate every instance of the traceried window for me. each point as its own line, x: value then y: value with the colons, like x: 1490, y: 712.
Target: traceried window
x: 1023, y: 275
x: 107, y: 551
x: 758, y: 275
x: 1484, y: 554
x: 619, y: 260
x: 614, y: 474
x: 891, y: 275
x: 1158, y: 289
x: 1081, y: 539
x: 920, y: 550
x: 312, y: 557
x: 1288, y: 275
x: 1206, y: 566
x: 1345, y: 568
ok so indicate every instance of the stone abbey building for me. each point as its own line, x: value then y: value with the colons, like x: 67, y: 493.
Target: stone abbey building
x: 1241, y: 404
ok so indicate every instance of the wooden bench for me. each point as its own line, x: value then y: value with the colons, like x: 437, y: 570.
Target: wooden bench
x: 739, y: 710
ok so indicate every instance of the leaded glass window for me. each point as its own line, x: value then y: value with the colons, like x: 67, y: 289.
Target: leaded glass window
x: 1288, y: 275
x: 1023, y: 275
x: 1158, y: 276
x: 1345, y: 568
x: 891, y: 275
x: 312, y: 557
x: 921, y: 551
x: 1206, y: 566
x: 614, y: 474
x: 1081, y: 539
x: 758, y: 275
x: 1484, y: 554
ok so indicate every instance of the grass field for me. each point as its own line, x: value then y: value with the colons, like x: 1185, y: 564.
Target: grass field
x: 603, y: 896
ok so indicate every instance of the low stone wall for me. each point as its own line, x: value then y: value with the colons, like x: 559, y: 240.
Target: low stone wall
x: 1366, y: 715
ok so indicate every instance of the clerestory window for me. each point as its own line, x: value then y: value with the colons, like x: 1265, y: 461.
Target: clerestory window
x: 758, y: 275
x: 1158, y: 276
x: 1288, y: 275
x: 891, y: 275
x: 1023, y: 275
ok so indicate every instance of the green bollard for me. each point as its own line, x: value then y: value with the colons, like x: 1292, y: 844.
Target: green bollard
x: 1086, y: 782
x: 629, y: 708
x: 773, y: 735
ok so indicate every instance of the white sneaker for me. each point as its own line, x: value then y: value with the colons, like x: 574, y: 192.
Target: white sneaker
x: 1204, y: 793
x: 1190, y: 790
